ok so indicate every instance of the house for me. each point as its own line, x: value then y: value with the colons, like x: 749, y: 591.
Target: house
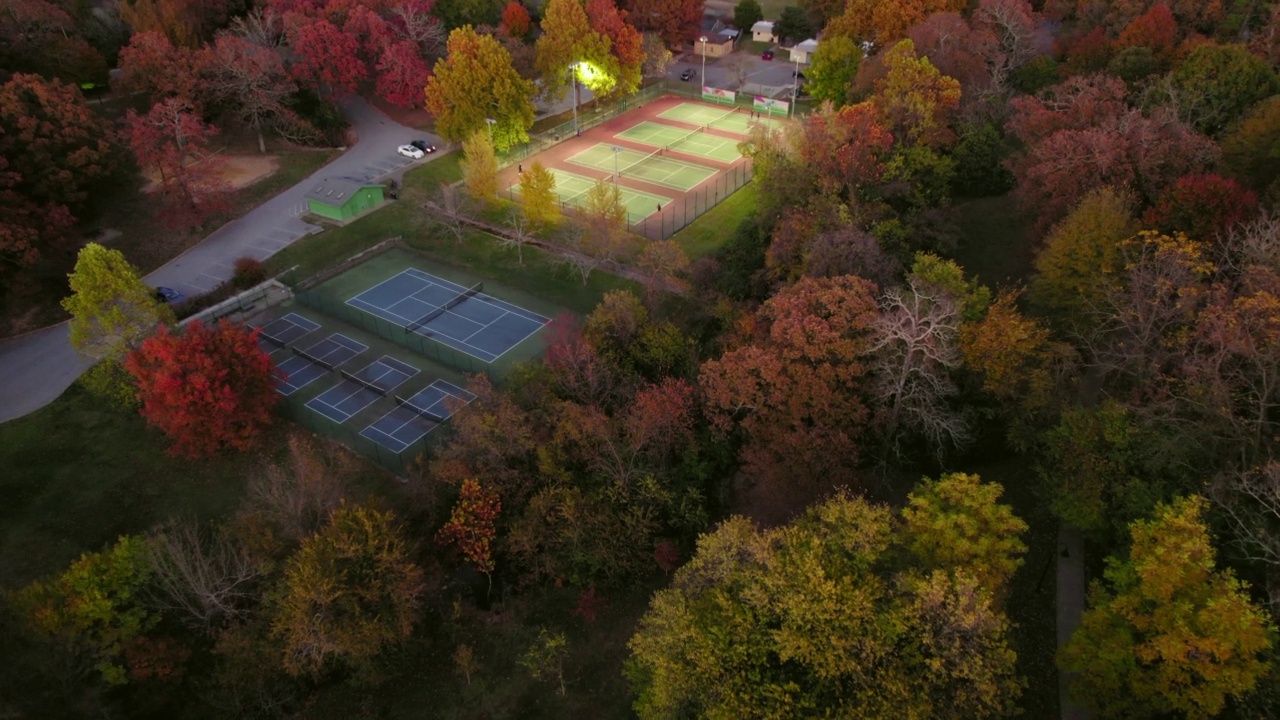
x: 342, y: 199
x: 719, y: 38
x: 804, y: 51
x: 763, y: 32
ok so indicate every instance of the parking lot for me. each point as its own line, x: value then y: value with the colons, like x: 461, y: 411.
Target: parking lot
x: 741, y: 71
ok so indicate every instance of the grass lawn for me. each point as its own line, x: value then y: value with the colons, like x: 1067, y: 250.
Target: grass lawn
x: 143, y: 240
x: 541, y: 274
x: 995, y: 241
x: 706, y: 234
x: 445, y: 169
x: 78, y: 476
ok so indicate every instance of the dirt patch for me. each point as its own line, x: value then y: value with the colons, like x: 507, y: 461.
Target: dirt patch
x: 234, y: 171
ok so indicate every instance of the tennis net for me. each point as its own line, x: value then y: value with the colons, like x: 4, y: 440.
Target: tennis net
x: 367, y: 385
x: 674, y: 143
x: 426, y: 414
x: 273, y: 340
x: 312, y: 358
x: 712, y: 123
x: 468, y: 293
x: 630, y: 166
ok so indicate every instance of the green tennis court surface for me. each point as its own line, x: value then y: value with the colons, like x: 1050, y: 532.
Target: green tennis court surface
x: 572, y: 190
x: 650, y: 167
x: 696, y: 142
x: 737, y: 121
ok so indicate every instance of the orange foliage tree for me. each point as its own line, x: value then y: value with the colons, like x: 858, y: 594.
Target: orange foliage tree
x: 208, y: 389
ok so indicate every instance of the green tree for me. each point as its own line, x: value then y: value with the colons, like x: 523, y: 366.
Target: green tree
x: 1251, y: 151
x: 538, y: 195
x: 792, y: 25
x: 1216, y: 84
x: 1082, y: 257
x: 480, y: 167
x: 1167, y: 633
x: 835, y: 64
x: 603, y: 204
x: 569, y: 42
x: 747, y: 13
x: 112, y: 309
x: 915, y: 99
x: 808, y: 619
x: 979, y: 158
x: 94, y: 608
x: 958, y: 522
x: 545, y: 658
x: 474, y: 82
x: 970, y: 296
x: 350, y: 590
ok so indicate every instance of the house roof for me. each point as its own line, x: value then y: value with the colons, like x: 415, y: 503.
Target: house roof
x: 728, y: 33
x: 764, y: 26
x: 336, y: 191
x: 807, y: 46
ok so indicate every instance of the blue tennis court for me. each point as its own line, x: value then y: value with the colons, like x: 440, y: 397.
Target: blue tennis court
x: 306, y: 366
x: 362, y: 388
x: 462, y: 318
x: 287, y: 329
x: 414, y: 417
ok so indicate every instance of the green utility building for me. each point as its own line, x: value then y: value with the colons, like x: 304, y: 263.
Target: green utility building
x: 342, y: 199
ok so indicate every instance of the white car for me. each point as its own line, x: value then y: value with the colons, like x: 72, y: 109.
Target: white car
x: 410, y: 151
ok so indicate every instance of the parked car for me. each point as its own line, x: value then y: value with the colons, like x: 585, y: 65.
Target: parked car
x: 169, y: 295
x: 424, y: 146
x: 688, y: 74
x: 798, y: 75
x: 410, y: 151
x: 766, y: 55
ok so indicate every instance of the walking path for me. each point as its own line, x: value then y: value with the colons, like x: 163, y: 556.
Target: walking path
x: 37, y: 367
x: 1070, y: 606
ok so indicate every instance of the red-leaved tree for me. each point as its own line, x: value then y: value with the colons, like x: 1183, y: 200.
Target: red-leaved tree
x: 471, y: 526
x: 208, y: 389
x: 515, y: 20
x: 1202, y: 206
x: 171, y: 140
x: 402, y: 75
x: 328, y: 59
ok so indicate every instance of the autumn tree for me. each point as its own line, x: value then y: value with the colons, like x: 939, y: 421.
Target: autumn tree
x: 480, y: 167
x: 171, y: 140
x: 27, y: 229
x: 1156, y: 30
x: 471, y: 526
x: 349, y: 592
x: 626, y: 45
x: 327, y: 59
x: 657, y: 58
x: 799, y: 384
x: 633, y: 342
x: 1082, y: 256
x: 112, y: 309
x: 150, y: 64
x: 1203, y: 206
x: 886, y: 22
x: 1216, y: 85
x: 57, y: 147
x: 402, y: 74
x: 201, y: 574
x: 516, y: 22
x: 663, y: 261
x: 958, y: 522
x: 253, y: 80
x: 42, y: 38
x: 1167, y: 632
x: 544, y: 659
x: 830, y: 75
x: 759, y: 623
x: 93, y: 609
x: 287, y: 501
x: 568, y: 43
x: 675, y: 21
x: 1251, y: 151
x: 538, y: 195
x: 208, y: 389
x: 475, y: 81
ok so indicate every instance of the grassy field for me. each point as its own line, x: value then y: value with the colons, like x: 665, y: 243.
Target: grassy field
x: 705, y: 235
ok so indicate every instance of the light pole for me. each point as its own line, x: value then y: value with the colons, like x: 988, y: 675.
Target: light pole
x: 573, y: 72
x: 490, y: 122
x: 703, y: 39
x: 795, y: 84
x: 616, y: 150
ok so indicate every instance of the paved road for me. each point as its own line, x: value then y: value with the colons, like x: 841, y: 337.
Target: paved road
x: 35, y: 368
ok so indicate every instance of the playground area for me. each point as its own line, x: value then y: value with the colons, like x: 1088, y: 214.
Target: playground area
x: 671, y: 159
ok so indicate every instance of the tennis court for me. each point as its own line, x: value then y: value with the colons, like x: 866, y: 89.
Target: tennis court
x: 459, y: 317
x: 695, y: 142
x: 414, y: 417
x: 306, y: 366
x: 572, y: 190
x: 357, y: 391
x: 738, y: 121
x: 287, y: 330
x: 651, y: 167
